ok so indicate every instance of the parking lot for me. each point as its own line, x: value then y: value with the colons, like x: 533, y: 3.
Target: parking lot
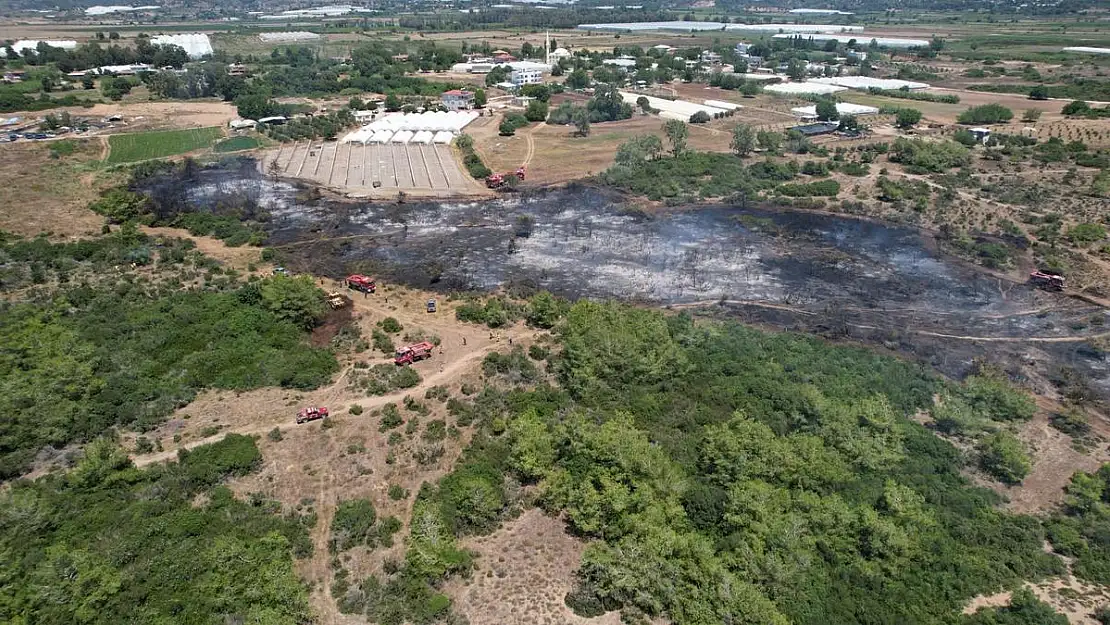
x: 359, y: 169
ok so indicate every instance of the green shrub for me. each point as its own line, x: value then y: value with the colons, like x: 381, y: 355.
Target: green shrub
x: 538, y: 352
x: 397, y: 492
x: 391, y: 418
x: 353, y: 525
x: 986, y: 114
x: 355, y: 409
x: 1003, y: 456
x: 390, y: 325
x: 382, y: 342
x: 1086, y: 233
x: 435, y: 431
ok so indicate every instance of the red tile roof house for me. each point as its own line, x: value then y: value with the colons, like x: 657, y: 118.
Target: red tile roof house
x: 457, y: 100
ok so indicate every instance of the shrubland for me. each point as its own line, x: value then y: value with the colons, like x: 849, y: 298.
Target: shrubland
x: 88, y: 348
x: 107, y: 542
x: 723, y: 474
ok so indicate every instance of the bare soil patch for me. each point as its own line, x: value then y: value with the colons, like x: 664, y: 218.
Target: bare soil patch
x: 1055, y: 460
x: 524, y: 571
x: 45, y: 194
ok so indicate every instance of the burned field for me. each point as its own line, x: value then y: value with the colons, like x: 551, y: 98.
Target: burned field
x: 838, y: 277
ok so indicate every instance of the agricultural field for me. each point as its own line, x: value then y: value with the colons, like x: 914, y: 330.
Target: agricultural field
x: 237, y: 144
x: 134, y: 147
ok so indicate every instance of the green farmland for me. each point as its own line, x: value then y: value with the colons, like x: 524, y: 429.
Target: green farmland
x: 141, y: 146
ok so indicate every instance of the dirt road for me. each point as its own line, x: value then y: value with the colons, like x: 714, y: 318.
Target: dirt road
x: 332, y: 395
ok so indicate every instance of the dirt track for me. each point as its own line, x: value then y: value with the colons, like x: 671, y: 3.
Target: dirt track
x: 257, y: 412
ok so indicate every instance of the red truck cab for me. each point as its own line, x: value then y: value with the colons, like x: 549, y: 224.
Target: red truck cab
x: 411, y: 353
x: 312, y: 413
x: 362, y: 283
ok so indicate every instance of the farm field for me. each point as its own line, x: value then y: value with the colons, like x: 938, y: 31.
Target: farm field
x: 141, y: 146
x: 236, y: 144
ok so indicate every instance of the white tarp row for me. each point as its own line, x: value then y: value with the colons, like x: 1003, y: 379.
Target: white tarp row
x: 807, y: 87
x: 389, y: 127
x: 863, y: 83
x: 443, y: 137
x: 672, y: 109
x: 1087, y: 50
x: 703, y: 26
x: 721, y: 104
x: 32, y: 44
x: 299, y: 35
x: 863, y: 40
x: 196, y: 45
x: 362, y: 135
x: 435, y: 121
x: 842, y: 108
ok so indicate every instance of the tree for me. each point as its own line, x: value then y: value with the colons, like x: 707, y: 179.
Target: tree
x: 826, y: 111
x: 986, y: 114
x: 581, y: 119
x: 255, y: 106
x: 743, y: 140
x: 965, y: 137
x: 700, y: 117
x: 88, y: 81
x: 1003, y: 456
x: 1031, y: 115
x: 796, y: 70
x: 644, y: 104
x: 392, y: 102
x: 294, y: 299
x: 639, y: 149
x: 498, y: 74
x: 1076, y: 107
x: 849, y: 123
x: 907, y: 117
x: 1038, y: 92
x: 536, y: 111
x: 545, y: 310
x: 507, y: 128
x: 769, y: 140
x: 479, y: 98
x: 578, y: 79
x: 676, y: 132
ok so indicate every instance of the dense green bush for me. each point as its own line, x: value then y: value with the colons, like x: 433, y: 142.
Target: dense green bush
x: 90, y: 358
x: 920, y: 156
x: 986, y: 114
x: 694, y: 453
x: 494, y: 312
x: 514, y: 367
x: 110, y: 543
x: 823, y: 188
x: 1003, y: 456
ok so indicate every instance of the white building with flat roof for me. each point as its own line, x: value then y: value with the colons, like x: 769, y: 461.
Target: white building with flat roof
x: 521, y: 77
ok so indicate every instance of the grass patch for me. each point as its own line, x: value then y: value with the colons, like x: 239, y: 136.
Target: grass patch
x: 141, y: 146
x: 236, y: 144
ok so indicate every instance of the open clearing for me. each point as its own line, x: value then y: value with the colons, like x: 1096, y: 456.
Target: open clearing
x: 128, y: 148
x: 45, y: 194
x: 525, y: 569
x: 362, y: 170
